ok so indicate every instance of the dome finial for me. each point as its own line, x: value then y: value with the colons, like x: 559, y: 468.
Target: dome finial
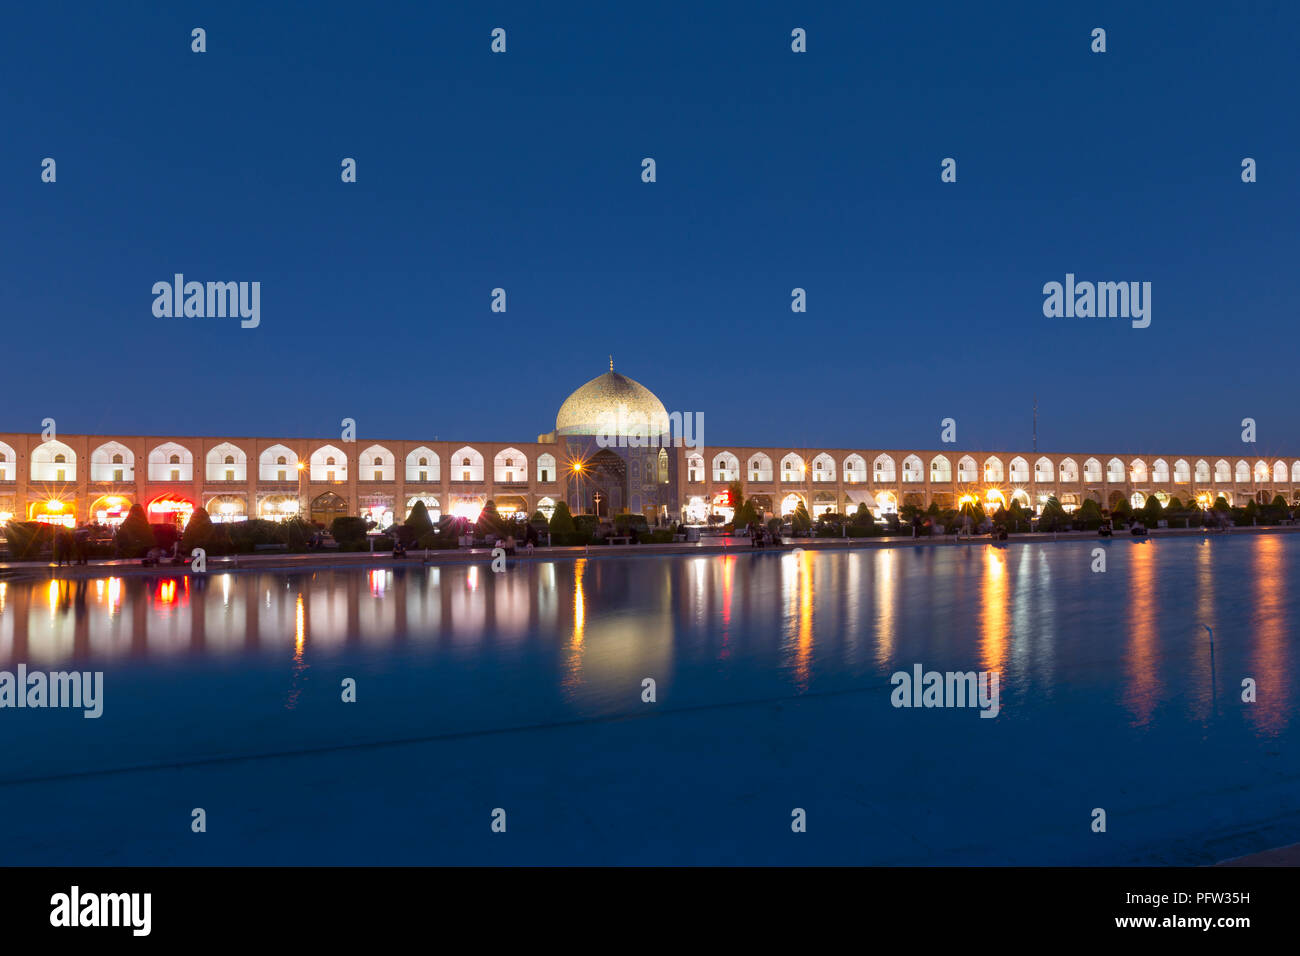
x: 611, y: 363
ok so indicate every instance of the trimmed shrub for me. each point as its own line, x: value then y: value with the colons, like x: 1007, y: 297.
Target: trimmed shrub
x: 27, y: 539
x: 562, y: 520
x: 134, y: 536
x: 349, y: 532
x: 418, y: 521
x: 199, y: 532
x: 800, y: 522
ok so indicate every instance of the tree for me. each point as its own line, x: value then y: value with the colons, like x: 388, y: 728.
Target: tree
x: 1221, y: 504
x: 1088, y: 515
x: 199, y: 532
x: 800, y: 522
x: 562, y: 520
x: 745, y: 514
x: 539, y: 519
x: 1052, y: 516
x: 735, y: 495
x: 1174, y: 505
x: 418, y: 521
x: 134, y: 536
x: 1152, y: 509
x: 490, y: 521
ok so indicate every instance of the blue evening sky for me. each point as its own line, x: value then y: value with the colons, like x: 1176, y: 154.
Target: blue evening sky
x: 775, y: 170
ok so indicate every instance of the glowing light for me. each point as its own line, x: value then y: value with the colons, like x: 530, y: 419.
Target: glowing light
x: 302, y: 465
x: 54, y: 506
x: 467, y: 509
x: 171, y: 508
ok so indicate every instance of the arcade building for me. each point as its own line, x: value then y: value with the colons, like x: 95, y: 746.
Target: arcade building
x: 81, y: 479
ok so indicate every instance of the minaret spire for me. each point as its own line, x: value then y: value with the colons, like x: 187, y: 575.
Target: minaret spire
x: 611, y: 363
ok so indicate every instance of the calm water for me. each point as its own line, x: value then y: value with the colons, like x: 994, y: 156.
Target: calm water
x: 1110, y: 693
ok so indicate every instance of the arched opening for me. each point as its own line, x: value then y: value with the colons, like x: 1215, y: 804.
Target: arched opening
x: 110, y: 510
x: 228, y: 508
x: 790, y: 503
x: 328, y: 506
x: 170, y: 509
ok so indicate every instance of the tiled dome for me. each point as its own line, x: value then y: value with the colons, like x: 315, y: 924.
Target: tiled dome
x: 581, y: 413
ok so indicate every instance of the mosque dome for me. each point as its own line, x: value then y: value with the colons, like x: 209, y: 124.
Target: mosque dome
x: 595, y: 407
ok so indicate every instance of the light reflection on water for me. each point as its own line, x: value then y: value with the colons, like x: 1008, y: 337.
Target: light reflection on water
x: 583, y: 634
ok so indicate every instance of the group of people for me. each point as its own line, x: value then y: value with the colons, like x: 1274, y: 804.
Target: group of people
x: 759, y: 535
x: 71, y: 547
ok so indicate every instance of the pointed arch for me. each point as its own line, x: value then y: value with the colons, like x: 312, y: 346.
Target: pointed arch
x: 8, y: 463
x: 855, y: 469
x: 328, y: 463
x: 112, y: 461
x: 171, y: 461
x: 422, y: 465
x: 510, y: 466
x: 823, y: 468
x: 377, y: 463
x: 54, y: 461
x: 940, y: 470
x: 226, y: 462
x: 277, y: 463
x: 546, y: 469
x: 466, y: 464
x: 913, y: 469
x: 726, y: 467
x: 882, y: 469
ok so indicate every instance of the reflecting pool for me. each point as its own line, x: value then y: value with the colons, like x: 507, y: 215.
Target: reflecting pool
x: 1120, y: 690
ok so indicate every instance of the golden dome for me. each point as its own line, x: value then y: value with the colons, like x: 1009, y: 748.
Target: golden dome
x: 594, y: 408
